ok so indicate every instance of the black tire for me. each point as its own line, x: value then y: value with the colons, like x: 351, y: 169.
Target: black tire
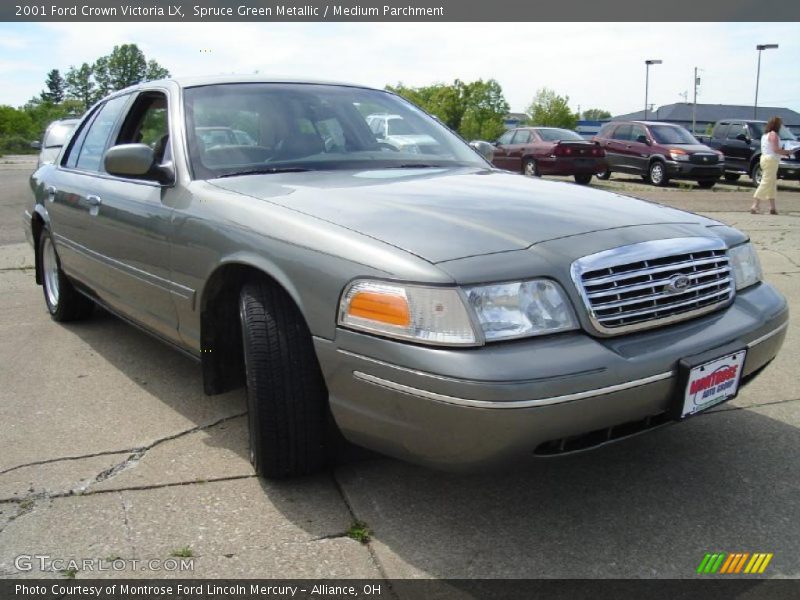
x: 287, y: 399
x: 63, y: 301
x: 530, y: 168
x: 657, y: 174
x: 604, y: 175
x: 732, y: 176
x: 583, y: 178
x: 755, y: 174
x: 707, y: 184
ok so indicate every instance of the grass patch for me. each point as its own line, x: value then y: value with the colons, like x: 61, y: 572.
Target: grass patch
x: 359, y: 531
x: 69, y: 573
x: 185, y: 552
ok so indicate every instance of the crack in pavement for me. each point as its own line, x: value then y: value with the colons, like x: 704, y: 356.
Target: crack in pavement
x: 372, y: 555
x: 134, y: 451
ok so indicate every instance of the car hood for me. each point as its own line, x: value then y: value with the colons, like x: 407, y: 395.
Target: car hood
x: 445, y: 214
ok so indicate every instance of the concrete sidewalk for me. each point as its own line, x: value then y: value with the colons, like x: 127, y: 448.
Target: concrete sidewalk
x: 110, y: 449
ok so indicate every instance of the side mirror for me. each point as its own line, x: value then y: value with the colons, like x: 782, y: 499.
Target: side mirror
x: 36, y: 145
x: 642, y: 139
x: 743, y: 137
x: 128, y: 160
x: 485, y: 149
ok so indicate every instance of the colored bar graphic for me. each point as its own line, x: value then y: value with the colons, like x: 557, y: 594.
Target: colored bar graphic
x: 734, y: 563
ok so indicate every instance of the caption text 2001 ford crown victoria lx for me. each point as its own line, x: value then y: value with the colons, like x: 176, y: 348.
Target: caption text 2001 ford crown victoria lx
x: 411, y: 296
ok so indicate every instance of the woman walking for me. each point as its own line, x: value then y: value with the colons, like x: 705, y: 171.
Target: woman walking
x: 771, y: 153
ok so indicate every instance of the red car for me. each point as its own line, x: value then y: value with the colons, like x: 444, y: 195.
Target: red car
x: 549, y: 151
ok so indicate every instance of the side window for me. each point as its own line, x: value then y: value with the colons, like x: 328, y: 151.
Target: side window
x: 636, y: 131
x: 522, y: 137
x: 506, y: 137
x: 623, y: 132
x: 94, y: 144
x: 737, y: 129
x: 720, y: 129
x: 147, y: 123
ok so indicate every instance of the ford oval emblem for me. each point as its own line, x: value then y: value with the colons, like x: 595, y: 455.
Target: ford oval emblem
x: 677, y: 284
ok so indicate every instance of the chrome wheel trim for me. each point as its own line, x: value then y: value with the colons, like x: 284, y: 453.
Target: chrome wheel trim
x: 757, y: 175
x: 657, y: 173
x: 530, y: 168
x: 50, y: 272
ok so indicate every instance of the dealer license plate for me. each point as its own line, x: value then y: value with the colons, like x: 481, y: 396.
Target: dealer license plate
x: 712, y: 383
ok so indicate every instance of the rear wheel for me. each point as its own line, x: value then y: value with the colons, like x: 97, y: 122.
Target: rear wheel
x: 583, y: 178
x: 63, y: 301
x: 732, y: 176
x: 604, y: 175
x: 287, y: 399
x: 657, y: 174
x: 707, y: 184
x: 530, y: 168
x: 756, y: 174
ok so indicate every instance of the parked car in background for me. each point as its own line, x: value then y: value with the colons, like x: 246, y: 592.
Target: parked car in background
x: 549, y: 151
x: 398, y: 134
x: 435, y: 309
x: 212, y: 137
x: 740, y: 141
x: 54, y: 138
x: 658, y: 152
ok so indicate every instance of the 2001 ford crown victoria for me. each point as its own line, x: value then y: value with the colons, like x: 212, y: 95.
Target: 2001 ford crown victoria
x: 418, y: 300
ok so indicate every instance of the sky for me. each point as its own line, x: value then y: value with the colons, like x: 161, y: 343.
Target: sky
x: 598, y: 65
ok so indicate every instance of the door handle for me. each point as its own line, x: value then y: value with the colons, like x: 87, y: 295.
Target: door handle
x: 51, y: 193
x: 93, y: 200
x: 628, y: 147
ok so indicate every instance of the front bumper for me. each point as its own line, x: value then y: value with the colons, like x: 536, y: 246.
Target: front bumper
x: 458, y: 408
x: 789, y: 169
x: 687, y: 170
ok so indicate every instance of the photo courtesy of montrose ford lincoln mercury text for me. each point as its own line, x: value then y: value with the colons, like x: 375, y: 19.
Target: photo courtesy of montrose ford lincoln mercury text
x: 409, y: 296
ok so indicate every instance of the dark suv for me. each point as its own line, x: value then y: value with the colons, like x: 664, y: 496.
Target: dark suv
x: 658, y: 152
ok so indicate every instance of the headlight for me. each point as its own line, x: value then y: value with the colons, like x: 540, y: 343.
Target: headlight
x: 426, y: 314
x: 439, y: 316
x: 745, y: 264
x: 678, y: 154
x: 514, y: 310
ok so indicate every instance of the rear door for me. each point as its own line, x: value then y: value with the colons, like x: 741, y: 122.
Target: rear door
x: 616, y: 149
x: 501, y: 149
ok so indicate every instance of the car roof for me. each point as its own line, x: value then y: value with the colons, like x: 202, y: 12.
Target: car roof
x: 197, y: 81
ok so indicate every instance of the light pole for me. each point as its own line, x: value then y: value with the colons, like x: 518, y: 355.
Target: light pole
x: 647, y: 81
x: 760, y: 47
x: 694, y: 102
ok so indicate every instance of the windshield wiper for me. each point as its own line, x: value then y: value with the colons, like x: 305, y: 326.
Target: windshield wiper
x: 265, y: 171
x: 416, y: 166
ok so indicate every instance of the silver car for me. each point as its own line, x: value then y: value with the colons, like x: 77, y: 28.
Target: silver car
x: 54, y: 138
x: 425, y: 305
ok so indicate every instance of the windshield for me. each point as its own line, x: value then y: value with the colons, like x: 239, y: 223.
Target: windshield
x: 309, y: 127
x: 784, y: 134
x: 399, y: 126
x: 58, y: 133
x: 556, y: 135
x: 664, y: 134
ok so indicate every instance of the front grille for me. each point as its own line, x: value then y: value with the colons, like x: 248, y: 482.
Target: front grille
x: 703, y: 158
x: 654, y: 283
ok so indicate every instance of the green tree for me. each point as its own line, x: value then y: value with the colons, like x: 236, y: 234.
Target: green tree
x: 548, y: 108
x: 155, y: 71
x: 80, y: 85
x: 485, y: 109
x: 596, y: 114
x: 55, y: 88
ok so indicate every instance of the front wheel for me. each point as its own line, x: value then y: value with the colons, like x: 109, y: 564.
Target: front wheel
x: 756, y: 174
x: 583, y: 178
x: 530, y: 168
x: 707, y: 184
x: 657, y: 174
x: 64, y: 302
x: 287, y: 400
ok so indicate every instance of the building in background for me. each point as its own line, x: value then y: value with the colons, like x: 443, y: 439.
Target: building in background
x: 706, y: 115
x: 512, y: 120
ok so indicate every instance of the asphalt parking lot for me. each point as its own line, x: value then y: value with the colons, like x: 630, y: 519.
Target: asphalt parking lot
x: 110, y: 449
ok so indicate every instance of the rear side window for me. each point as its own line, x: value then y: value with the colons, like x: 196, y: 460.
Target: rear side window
x: 523, y: 136
x: 623, y: 132
x: 94, y: 142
